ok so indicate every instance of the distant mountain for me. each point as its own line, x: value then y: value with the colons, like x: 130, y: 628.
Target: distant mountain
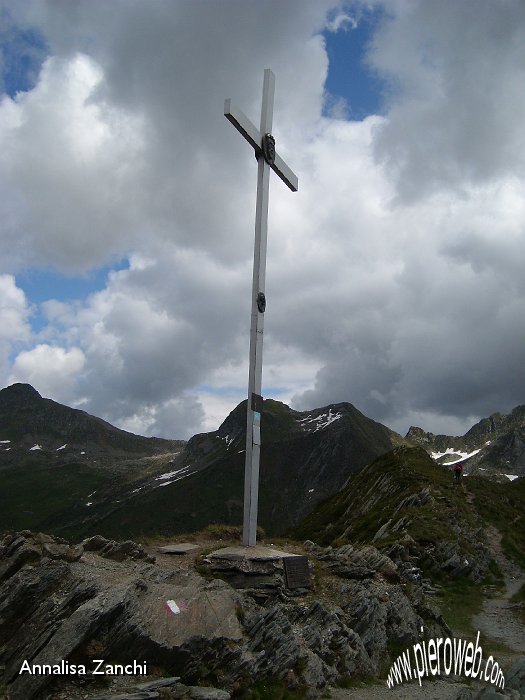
x: 305, y: 457
x: 494, y: 447
x: 64, y: 471
x: 54, y: 459
x: 29, y: 423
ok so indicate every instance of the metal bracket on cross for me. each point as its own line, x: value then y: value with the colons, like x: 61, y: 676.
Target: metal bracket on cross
x: 255, y: 138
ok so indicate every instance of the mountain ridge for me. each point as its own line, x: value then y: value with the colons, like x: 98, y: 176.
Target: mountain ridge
x: 174, y: 486
x: 494, y: 447
x: 408, y: 507
x: 93, y: 477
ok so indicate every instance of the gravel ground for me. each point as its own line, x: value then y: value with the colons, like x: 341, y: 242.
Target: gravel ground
x: 429, y: 690
x: 497, y: 620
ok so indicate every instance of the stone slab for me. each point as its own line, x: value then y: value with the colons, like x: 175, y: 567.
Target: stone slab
x: 179, y: 548
x: 256, y: 553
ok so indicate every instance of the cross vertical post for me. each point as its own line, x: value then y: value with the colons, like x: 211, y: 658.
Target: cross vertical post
x: 267, y: 159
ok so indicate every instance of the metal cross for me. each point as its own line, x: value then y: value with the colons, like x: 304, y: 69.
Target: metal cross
x: 264, y: 144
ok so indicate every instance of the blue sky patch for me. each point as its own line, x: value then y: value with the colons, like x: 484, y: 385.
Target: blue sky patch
x: 22, y: 52
x: 41, y: 285
x: 349, y: 77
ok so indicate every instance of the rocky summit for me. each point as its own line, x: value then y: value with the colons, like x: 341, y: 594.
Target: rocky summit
x: 107, y: 620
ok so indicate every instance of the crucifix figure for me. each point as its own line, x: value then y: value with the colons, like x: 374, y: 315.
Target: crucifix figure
x: 264, y: 145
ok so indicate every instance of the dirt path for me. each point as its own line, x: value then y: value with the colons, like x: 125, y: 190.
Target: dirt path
x: 497, y: 620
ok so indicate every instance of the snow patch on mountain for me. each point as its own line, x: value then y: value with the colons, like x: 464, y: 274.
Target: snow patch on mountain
x: 173, y: 476
x: 227, y: 439
x: 320, y: 422
x: 460, y: 456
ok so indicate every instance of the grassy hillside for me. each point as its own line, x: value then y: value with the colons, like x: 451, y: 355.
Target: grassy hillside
x: 30, y: 493
x: 415, y: 500
x: 503, y: 506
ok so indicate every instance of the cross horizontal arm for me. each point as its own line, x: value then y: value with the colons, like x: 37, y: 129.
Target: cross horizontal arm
x: 287, y: 176
x: 254, y: 137
x: 241, y: 122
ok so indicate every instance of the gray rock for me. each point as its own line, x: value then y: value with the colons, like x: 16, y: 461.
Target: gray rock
x: 465, y: 694
x: 139, y: 695
x: 359, y: 563
x: 66, y: 639
x: 416, y: 500
x: 161, y: 683
x: 382, y: 531
x: 515, y: 676
x: 201, y: 693
x: 20, y: 552
x: 62, y: 551
x: 492, y: 694
x: 514, y: 685
x: 118, y: 551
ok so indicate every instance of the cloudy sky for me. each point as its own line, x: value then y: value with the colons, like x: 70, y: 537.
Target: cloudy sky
x: 395, y: 275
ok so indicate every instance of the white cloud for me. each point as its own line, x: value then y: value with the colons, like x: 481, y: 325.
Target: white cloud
x: 68, y: 170
x: 14, y: 311
x: 394, y: 275
x: 52, y: 370
x: 14, y: 320
x: 341, y: 20
x: 457, y: 118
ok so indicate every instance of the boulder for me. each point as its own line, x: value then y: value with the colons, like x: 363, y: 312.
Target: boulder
x: 118, y: 551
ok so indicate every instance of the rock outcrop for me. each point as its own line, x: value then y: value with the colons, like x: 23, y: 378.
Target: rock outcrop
x: 514, y: 686
x: 385, y: 610
x: 65, y: 607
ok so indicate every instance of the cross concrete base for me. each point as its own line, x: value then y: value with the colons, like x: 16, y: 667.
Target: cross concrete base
x: 266, y: 571
x: 256, y: 553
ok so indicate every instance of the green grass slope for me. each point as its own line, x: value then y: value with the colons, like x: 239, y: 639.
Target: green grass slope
x: 409, y: 496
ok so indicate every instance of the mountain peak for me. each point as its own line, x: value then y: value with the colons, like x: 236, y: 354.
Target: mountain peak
x: 27, y: 419
x: 19, y: 392
x: 418, y: 435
